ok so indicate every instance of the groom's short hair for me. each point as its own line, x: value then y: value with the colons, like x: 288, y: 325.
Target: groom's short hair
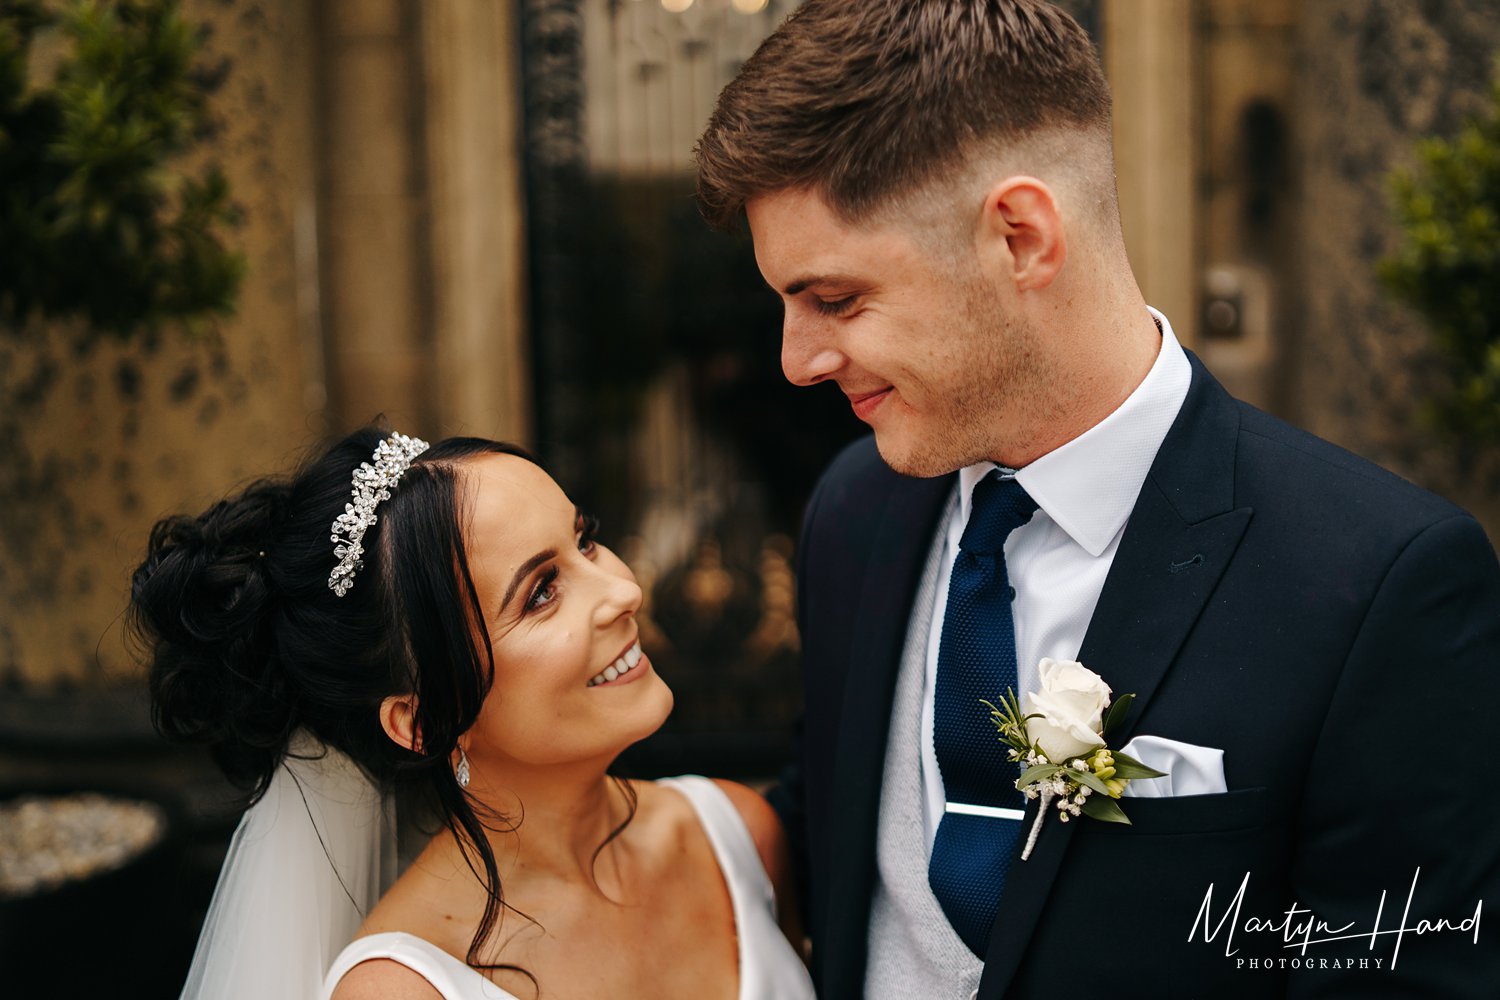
x: 866, y: 101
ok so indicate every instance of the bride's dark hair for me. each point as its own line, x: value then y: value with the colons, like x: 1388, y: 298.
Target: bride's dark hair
x: 247, y: 644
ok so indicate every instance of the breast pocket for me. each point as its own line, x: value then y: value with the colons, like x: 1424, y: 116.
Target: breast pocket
x: 1223, y: 812
x: 1152, y: 883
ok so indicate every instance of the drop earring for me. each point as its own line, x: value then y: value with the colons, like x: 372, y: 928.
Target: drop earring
x: 461, y: 772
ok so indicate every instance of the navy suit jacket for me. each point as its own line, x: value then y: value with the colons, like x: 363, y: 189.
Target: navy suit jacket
x: 1332, y: 628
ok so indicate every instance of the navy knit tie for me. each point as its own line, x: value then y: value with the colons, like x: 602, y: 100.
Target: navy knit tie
x: 972, y: 851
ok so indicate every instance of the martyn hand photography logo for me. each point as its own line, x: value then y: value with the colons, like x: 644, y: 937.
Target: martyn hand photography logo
x: 1297, y: 930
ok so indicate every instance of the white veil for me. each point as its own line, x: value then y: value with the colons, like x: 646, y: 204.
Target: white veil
x: 306, y: 864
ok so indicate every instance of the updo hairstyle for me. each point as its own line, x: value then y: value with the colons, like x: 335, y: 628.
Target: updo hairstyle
x: 247, y: 644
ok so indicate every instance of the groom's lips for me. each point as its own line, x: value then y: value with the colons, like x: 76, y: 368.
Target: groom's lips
x: 866, y: 403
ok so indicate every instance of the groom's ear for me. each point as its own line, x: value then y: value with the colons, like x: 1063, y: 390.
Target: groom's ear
x: 398, y: 717
x: 1021, y: 233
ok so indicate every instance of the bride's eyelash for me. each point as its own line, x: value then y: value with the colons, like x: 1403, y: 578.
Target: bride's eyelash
x: 543, y: 586
x: 544, y: 593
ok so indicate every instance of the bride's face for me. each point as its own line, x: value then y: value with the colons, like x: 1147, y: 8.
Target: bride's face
x: 560, y: 609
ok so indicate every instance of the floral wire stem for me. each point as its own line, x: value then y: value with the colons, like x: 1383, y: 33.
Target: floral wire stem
x: 1036, y: 825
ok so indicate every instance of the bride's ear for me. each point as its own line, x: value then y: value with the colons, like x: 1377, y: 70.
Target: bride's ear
x: 398, y: 717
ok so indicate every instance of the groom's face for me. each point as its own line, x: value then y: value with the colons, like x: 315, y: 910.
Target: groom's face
x: 931, y: 354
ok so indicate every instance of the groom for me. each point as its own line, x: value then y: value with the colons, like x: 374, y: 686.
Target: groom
x: 1314, y: 644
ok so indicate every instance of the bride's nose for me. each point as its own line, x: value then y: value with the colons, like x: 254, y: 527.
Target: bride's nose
x: 620, y: 595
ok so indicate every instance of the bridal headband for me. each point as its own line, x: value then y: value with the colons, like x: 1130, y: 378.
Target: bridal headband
x: 372, y: 483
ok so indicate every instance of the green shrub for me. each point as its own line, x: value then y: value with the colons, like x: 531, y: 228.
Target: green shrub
x: 1448, y: 266
x: 99, y: 220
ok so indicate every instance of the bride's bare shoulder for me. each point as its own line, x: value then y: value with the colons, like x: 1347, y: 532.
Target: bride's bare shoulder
x: 763, y: 823
x: 434, y: 899
x: 384, y: 979
x: 770, y: 838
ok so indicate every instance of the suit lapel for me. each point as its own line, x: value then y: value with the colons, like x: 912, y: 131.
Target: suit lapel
x: 1181, y: 535
x: 897, y: 553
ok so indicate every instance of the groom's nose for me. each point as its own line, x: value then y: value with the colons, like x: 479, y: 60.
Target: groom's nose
x: 808, y: 354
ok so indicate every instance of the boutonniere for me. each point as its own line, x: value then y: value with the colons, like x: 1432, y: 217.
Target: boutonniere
x: 1059, y: 737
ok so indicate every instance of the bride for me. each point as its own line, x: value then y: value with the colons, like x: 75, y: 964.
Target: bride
x: 449, y: 621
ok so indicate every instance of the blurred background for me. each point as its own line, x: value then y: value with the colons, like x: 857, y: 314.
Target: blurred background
x: 234, y: 229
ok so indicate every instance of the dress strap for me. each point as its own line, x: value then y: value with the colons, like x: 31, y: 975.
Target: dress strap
x: 730, y: 838
x: 450, y: 977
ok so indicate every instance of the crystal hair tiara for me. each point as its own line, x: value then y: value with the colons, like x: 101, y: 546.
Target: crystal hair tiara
x: 372, y: 484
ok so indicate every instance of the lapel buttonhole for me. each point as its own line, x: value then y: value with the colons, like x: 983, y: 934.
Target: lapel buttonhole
x: 1178, y: 567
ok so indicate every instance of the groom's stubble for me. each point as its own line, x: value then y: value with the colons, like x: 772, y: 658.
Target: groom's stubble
x: 991, y: 396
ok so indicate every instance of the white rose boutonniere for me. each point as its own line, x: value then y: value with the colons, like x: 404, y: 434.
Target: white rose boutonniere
x: 1065, y: 717
x: 1058, y: 735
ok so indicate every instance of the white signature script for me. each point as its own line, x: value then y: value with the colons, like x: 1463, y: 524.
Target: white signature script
x: 1300, y: 928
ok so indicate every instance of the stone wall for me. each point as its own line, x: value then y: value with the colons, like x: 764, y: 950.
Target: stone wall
x: 100, y: 444
x: 1375, y: 76
x: 372, y: 147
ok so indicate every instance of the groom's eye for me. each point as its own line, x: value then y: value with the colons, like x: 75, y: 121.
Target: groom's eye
x: 833, y: 307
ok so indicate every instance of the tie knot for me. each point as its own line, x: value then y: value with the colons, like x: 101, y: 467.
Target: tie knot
x: 999, y: 506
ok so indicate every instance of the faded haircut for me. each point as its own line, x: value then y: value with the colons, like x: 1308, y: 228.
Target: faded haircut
x: 868, y: 102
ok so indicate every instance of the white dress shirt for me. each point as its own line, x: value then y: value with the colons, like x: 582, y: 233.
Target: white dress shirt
x: 1058, y: 560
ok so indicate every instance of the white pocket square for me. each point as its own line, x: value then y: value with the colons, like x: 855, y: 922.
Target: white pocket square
x: 1191, y: 770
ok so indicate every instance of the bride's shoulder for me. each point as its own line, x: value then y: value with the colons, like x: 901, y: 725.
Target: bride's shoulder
x: 384, y: 979
x: 407, y: 945
x: 425, y: 899
x: 760, y: 820
x: 397, y: 965
x: 769, y: 837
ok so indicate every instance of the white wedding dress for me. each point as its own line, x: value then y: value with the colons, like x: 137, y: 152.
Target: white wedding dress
x: 769, y: 968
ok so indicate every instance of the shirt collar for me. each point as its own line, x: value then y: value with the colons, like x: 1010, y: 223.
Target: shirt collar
x: 1089, y: 485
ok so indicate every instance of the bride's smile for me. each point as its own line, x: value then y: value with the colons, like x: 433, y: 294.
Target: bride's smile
x: 561, y: 621
x: 616, y: 673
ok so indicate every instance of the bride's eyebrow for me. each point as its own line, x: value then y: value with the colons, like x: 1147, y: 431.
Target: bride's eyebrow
x: 524, y: 571
x: 532, y: 563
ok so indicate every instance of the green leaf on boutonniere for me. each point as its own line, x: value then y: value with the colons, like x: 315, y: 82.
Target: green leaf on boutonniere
x: 1116, y: 713
x: 1128, y: 767
x: 1090, y: 779
x: 1105, y: 808
x: 1037, y: 772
